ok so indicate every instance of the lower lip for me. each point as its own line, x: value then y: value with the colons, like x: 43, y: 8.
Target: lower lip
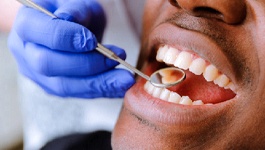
x: 144, y: 106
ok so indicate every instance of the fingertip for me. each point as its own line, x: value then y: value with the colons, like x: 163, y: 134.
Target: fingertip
x: 118, y: 51
x: 127, y: 81
x: 84, y: 40
x: 124, y: 80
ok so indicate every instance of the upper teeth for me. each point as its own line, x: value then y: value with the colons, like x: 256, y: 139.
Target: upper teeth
x: 185, y: 60
x: 196, y: 65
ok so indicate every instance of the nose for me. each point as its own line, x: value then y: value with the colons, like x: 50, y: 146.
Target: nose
x: 229, y: 11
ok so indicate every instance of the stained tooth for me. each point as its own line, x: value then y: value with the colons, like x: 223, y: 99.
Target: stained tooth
x: 165, y: 94
x: 183, y: 60
x: 185, y: 100
x: 170, y: 55
x: 231, y: 86
x: 197, y: 66
x: 161, y: 53
x: 221, y: 80
x: 174, y: 97
x: 210, y: 73
x: 157, y: 92
x: 227, y: 87
x: 198, y: 102
x: 169, y: 76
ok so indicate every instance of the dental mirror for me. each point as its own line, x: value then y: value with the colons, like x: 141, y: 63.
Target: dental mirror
x: 167, y: 77
x: 162, y: 78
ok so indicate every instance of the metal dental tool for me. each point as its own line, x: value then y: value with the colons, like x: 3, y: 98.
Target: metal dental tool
x: 162, y: 78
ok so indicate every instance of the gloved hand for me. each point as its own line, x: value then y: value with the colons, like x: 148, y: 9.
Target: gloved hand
x: 59, y: 55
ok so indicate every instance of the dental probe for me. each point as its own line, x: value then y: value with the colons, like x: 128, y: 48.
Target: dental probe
x: 160, y: 78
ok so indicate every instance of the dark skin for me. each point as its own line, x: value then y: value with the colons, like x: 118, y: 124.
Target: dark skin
x: 228, y: 34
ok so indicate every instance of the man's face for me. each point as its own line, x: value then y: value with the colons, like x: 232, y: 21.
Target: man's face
x: 221, y: 104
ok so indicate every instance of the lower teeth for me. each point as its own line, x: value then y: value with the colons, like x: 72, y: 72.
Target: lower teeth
x: 166, y: 95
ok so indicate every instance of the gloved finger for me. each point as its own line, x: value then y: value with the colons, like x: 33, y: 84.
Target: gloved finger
x: 16, y: 46
x: 55, y: 63
x: 111, y: 84
x: 36, y: 27
x: 88, y: 13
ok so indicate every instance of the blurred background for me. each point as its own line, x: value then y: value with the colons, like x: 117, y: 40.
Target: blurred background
x: 10, y: 113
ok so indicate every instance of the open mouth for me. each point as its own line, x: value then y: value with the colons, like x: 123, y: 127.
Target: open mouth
x: 204, y: 83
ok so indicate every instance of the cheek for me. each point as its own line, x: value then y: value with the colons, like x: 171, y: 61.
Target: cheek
x: 151, y: 12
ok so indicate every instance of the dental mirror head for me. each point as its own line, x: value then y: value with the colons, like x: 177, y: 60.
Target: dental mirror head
x: 167, y: 77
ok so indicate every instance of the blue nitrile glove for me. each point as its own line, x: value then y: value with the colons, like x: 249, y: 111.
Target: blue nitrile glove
x: 59, y: 55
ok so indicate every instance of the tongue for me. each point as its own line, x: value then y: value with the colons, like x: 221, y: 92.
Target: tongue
x: 197, y: 88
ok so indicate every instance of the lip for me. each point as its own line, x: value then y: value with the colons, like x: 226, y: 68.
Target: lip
x: 157, y: 111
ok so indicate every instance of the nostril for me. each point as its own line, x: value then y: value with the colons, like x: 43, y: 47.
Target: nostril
x: 207, y: 12
x: 200, y: 11
x: 174, y: 3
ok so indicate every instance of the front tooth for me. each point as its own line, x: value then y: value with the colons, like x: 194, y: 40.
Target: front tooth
x: 149, y: 88
x: 210, y: 73
x: 197, y: 66
x: 183, y: 60
x: 170, y: 55
x: 222, y: 80
x: 174, y: 97
x: 161, y: 53
x: 198, y: 102
x: 157, y: 92
x: 165, y: 94
x: 185, y: 100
